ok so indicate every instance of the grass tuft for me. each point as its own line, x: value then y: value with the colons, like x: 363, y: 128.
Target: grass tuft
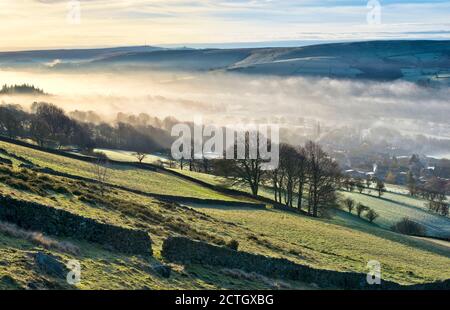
x: 38, y: 238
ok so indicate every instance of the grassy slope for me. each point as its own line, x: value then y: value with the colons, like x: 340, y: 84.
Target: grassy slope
x: 339, y: 244
x: 144, y: 180
x: 224, y: 182
x: 326, y: 244
x: 102, y: 269
x: 392, y: 206
x: 128, y: 156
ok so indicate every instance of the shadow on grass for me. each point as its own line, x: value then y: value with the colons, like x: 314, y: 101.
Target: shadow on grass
x: 221, y: 207
x: 353, y: 222
x: 237, y: 279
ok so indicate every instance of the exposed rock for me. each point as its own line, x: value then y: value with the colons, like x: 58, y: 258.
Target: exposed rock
x: 27, y: 166
x: 163, y: 270
x: 51, y: 265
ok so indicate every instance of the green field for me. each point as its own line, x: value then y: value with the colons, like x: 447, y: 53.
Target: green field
x: 125, y: 209
x: 342, y: 243
x: 331, y: 244
x: 144, y: 180
x: 393, y: 207
x: 219, y: 181
x: 127, y: 156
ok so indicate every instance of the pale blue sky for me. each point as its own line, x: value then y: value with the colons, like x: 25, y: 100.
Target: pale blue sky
x: 45, y: 23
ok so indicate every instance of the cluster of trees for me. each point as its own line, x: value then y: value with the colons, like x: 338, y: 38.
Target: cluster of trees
x: 50, y: 126
x: 24, y: 89
x: 46, y: 124
x: 439, y: 206
x: 128, y: 137
x: 434, y: 190
x: 360, y: 185
x: 306, y: 178
x: 361, y: 210
x: 408, y: 227
x: 136, y: 120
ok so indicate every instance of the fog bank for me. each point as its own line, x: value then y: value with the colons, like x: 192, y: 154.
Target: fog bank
x: 223, y: 98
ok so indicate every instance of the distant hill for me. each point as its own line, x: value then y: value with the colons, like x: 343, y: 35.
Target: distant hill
x: 424, y: 62
x: 48, y: 58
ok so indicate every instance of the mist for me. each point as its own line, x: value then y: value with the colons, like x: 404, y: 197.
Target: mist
x: 223, y: 98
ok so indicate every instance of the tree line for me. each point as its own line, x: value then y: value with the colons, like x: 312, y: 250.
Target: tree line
x: 24, y: 89
x: 306, y: 179
x: 49, y: 126
x: 434, y: 190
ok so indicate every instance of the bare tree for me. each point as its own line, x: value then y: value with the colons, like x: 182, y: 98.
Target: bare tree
x: 288, y: 164
x: 101, y: 171
x: 381, y: 188
x: 248, y: 170
x: 140, y: 156
x: 349, y: 204
x: 348, y: 184
x: 39, y: 130
x: 411, y: 183
x: 276, y: 177
x: 359, y: 185
x: 302, y: 174
x: 323, y: 177
x: 369, y: 182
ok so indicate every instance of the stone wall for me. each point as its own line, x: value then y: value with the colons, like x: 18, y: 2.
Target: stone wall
x: 37, y: 217
x: 184, y: 250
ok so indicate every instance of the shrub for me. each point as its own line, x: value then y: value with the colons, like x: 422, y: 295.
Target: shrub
x: 61, y: 190
x: 100, y: 155
x: 409, y: 227
x: 360, y: 209
x: 233, y: 244
x: 87, y: 200
x: 20, y: 185
x: 44, y: 178
x: 371, y: 215
x: 77, y: 192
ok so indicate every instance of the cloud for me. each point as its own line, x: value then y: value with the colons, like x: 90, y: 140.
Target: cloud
x: 43, y: 23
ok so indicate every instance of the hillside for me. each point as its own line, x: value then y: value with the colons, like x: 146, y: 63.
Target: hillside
x: 394, y: 205
x: 332, y: 244
x: 416, y: 61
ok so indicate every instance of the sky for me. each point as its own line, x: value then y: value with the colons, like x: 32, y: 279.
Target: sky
x: 40, y: 24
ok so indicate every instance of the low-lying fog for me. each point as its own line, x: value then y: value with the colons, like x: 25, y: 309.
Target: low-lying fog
x: 225, y: 98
